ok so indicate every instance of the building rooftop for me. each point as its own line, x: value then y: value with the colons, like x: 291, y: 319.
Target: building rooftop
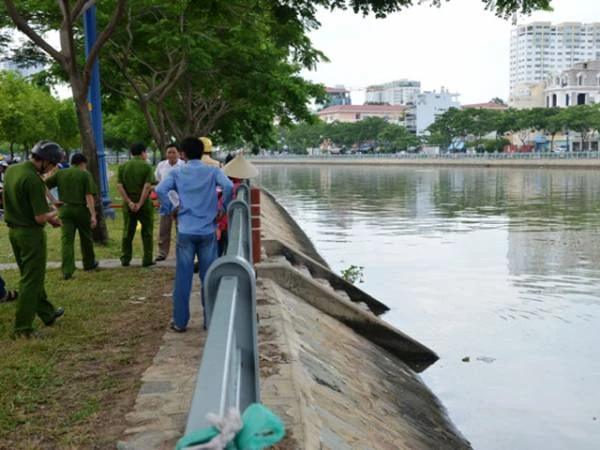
x: 487, y: 105
x: 336, y: 90
x: 363, y: 109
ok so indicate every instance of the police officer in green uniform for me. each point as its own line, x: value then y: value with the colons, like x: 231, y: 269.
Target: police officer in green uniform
x: 134, y: 182
x: 26, y: 211
x: 76, y: 190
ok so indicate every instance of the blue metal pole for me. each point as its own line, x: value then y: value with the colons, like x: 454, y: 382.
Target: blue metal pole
x: 89, y: 25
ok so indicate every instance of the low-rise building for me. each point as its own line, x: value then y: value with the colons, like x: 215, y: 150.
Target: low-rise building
x: 337, y: 95
x: 355, y: 113
x: 527, y: 95
x: 492, y: 106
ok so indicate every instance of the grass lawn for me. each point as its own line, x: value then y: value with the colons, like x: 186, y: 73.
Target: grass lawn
x: 72, y: 389
x: 115, y: 232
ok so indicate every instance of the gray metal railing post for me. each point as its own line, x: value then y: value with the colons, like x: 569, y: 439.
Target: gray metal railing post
x: 239, y: 229
x: 243, y: 193
x: 229, y: 371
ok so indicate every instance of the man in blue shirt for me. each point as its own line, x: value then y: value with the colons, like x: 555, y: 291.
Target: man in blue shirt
x: 196, y: 184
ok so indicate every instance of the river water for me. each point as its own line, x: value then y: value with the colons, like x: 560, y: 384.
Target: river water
x: 500, y: 266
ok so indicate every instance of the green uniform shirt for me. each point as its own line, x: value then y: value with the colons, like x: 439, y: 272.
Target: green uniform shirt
x: 133, y: 175
x: 73, y: 185
x: 24, y: 196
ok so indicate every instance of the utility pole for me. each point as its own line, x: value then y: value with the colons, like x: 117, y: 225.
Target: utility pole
x: 95, y: 106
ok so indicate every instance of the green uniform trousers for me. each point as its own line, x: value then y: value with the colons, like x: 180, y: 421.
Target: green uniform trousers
x: 29, y: 247
x: 145, y: 215
x: 76, y: 218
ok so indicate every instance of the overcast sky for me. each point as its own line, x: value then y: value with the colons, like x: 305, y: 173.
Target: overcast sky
x: 459, y: 46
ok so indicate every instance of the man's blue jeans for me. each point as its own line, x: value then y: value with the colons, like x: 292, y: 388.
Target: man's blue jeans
x: 189, y: 246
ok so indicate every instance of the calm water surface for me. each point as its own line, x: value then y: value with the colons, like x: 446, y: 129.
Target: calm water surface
x: 500, y: 265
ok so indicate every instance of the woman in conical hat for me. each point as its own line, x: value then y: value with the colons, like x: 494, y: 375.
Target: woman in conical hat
x: 237, y: 169
x: 240, y: 168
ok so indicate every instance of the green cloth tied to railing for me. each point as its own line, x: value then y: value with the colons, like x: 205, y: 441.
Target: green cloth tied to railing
x: 258, y: 428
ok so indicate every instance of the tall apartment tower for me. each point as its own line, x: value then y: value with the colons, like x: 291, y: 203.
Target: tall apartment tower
x: 540, y: 49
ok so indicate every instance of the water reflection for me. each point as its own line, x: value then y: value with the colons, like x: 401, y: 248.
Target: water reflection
x: 499, y: 265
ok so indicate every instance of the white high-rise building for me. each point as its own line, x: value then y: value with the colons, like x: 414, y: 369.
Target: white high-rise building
x: 426, y: 108
x: 539, y: 49
x: 399, y: 92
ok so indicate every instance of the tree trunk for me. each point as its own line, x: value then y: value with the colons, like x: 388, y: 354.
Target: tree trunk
x: 154, y: 128
x: 88, y: 146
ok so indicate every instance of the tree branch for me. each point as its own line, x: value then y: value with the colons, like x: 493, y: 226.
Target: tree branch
x: 22, y: 25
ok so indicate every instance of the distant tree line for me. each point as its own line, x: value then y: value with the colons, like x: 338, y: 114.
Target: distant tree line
x: 472, y: 126
x: 28, y: 112
x: 367, y: 135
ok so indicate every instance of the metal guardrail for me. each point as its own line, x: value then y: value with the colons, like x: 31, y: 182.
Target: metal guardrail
x: 229, y: 371
x: 421, y: 156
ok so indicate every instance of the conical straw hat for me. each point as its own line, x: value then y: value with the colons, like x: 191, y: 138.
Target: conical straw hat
x: 239, y: 167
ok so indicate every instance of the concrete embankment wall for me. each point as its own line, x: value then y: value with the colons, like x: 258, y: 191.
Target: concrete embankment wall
x: 592, y: 163
x: 336, y: 385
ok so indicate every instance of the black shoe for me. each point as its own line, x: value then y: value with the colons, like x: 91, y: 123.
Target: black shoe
x: 58, y: 312
x: 67, y: 277
x: 10, y: 296
x: 95, y: 266
x: 160, y: 258
x: 176, y: 328
x: 151, y: 263
x: 125, y: 264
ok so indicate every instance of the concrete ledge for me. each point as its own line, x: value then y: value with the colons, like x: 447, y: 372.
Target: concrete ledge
x: 413, y: 353
x: 317, y: 270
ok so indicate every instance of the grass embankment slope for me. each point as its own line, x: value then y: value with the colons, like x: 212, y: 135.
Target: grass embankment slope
x: 72, y: 389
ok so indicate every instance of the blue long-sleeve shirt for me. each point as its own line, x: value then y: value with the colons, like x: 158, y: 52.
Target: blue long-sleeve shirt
x: 196, y: 184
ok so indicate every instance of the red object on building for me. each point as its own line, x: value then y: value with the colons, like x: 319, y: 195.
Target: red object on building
x: 255, y: 214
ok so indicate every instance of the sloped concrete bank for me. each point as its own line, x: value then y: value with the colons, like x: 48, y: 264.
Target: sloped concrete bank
x: 541, y: 163
x: 340, y: 377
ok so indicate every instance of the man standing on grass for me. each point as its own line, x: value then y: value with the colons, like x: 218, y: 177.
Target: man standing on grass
x: 26, y: 211
x: 163, y: 169
x: 196, y: 185
x: 134, y: 182
x: 76, y: 190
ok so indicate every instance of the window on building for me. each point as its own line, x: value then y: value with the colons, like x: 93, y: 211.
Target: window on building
x: 581, y: 99
x: 554, y: 100
x: 566, y: 99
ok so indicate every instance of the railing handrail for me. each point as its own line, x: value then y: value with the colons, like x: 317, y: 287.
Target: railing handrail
x: 228, y: 375
x: 592, y: 154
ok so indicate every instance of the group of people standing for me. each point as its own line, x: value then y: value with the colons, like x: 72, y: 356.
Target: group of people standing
x: 186, y: 183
